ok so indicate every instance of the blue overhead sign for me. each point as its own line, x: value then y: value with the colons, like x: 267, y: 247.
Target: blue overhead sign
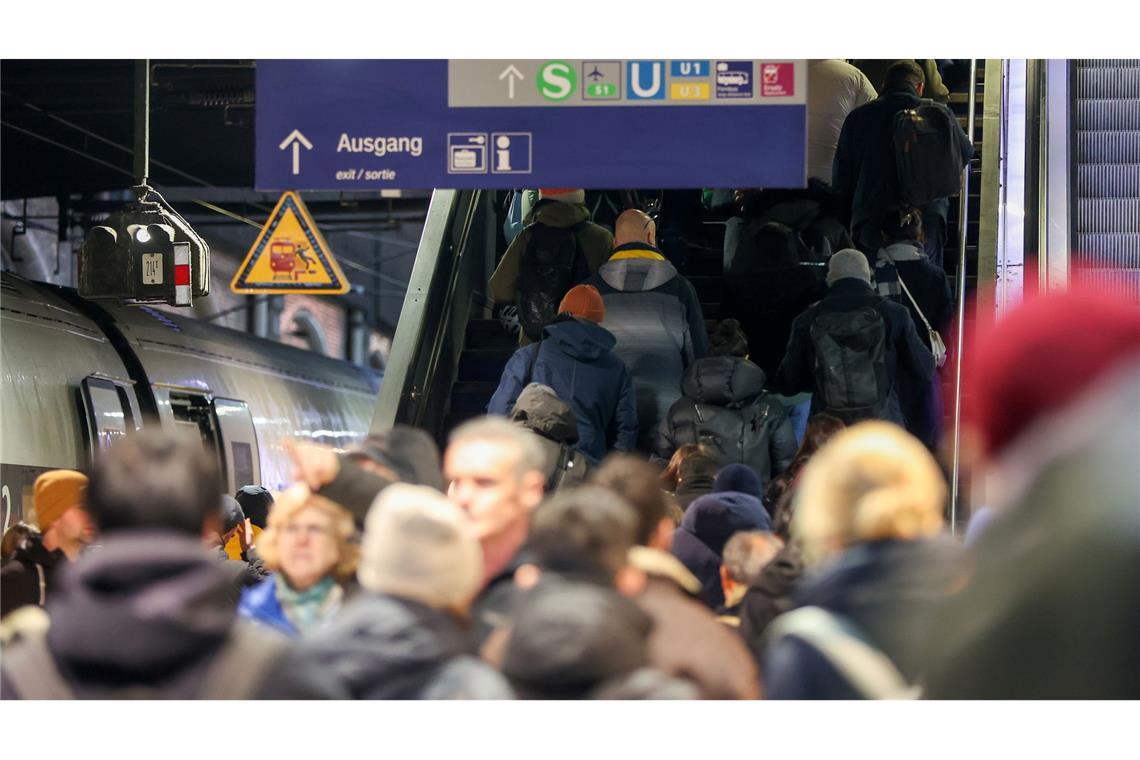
x: 371, y: 125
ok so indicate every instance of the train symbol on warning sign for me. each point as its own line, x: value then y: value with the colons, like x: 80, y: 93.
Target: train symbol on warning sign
x: 284, y: 257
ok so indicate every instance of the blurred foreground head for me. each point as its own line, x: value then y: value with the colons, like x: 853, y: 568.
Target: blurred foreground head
x: 1041, y: 358
x: 308, y: 539
x: 584, y: 532
x: 420, y: 546
x: 871, y: 482
x: 154, y: 479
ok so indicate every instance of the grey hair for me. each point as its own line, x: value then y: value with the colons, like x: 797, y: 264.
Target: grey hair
x: 531, y: 455
x: 747, y: 553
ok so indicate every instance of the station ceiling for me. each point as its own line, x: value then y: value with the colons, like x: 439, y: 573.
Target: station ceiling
x: 68, y: 126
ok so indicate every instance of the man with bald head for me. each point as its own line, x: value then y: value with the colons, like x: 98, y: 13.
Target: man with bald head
x: 655, y: 315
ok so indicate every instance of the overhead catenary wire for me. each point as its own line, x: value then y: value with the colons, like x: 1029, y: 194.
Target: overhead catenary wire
x: 205, y: 204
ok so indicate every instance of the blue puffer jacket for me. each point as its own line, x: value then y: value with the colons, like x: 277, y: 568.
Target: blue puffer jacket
x: 259, y: 603
x: 575, y: 359
x: 708, y: 524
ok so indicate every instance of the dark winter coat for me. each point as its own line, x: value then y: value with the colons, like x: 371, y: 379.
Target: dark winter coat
x: 576, y: 359
x: 768, y: 597
x: 389, y: 647
x: 926, y: 282
x: 552, y: 421
x: 687, y: 641
x: 725, y: 406
x: 493, y: 606
x: 20, y: 578
x: 146, y: 615
x: 245, y: 572
x: 908, y: 360
x: 595, y: 240
x: 655, y: 315
x: 766, y: 302
x: 864, y: 171
x: 889, y: 590
x: 708, y: 524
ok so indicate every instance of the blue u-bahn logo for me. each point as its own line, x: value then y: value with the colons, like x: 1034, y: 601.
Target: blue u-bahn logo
x: 645, y: 80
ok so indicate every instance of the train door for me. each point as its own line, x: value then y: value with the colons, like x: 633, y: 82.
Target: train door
x: 239, y: 443
x: 225, y: 427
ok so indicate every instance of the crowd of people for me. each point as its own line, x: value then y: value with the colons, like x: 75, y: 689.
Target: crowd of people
x: 647, y: 512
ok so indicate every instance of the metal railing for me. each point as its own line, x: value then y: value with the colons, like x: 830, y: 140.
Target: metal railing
x: 963, y: 227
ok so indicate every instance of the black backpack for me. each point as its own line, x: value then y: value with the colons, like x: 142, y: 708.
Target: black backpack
x: 552, y: 263
x: 851, y: 363
x: 928, y: 156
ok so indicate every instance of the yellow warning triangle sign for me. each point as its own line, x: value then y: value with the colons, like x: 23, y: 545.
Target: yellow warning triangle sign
x: 289, y: 256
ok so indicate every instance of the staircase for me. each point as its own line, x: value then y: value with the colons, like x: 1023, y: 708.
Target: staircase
x: 486, y: 350
x: 488, y: 346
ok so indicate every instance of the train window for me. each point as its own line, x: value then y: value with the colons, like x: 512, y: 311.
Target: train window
x: 194, y: 413
x: 106, y: 411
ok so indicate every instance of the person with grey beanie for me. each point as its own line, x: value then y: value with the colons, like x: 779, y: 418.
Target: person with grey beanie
x: 405, y: 636
x: 854, y: 349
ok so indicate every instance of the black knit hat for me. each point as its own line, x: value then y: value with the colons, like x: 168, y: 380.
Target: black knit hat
x: 255, y: 501
x: 406, y: 451
x: 232, y: 514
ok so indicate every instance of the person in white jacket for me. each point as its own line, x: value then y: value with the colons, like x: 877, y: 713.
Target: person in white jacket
x: 835, y: 88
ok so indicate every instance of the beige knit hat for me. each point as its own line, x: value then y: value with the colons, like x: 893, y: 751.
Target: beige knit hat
x: 419, y: 545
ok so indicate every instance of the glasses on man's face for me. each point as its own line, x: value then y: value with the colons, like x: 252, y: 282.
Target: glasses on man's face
x: 297, y: 530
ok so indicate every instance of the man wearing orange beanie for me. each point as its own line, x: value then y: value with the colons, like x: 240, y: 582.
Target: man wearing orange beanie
x: 575, y: 358
x: 64, y: 530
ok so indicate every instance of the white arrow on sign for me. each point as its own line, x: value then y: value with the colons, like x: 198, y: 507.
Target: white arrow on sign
x: 296, y: 139
x: 511, y: 74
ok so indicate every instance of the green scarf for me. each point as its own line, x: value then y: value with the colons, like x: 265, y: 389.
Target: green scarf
x: 306, y: 609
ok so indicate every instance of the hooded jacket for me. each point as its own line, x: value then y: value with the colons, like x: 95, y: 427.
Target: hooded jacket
x: 20, y: 579
x: 687, y: 641
x: 908, y: 360
x: 708, y: 524
x: 656, y: 317
x: 389, y: 647
x: 889, y: 590
x: 550, y: 418
x: 725, y: 406
x: 576, y: 359
x: 151, y: 610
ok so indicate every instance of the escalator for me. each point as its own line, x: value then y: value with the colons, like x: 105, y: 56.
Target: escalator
x: 449, y: 352
x: 1105, y: 120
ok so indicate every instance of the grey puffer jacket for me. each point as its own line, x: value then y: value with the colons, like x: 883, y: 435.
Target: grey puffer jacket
x: 725, y: 406
x: 656, y: 317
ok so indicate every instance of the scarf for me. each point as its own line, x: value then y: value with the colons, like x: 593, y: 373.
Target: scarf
x: 306, y: 609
